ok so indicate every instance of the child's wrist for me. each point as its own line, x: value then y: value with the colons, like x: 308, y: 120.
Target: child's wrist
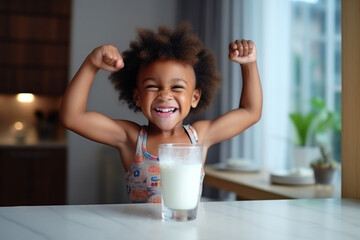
x: 89, y: 65
x: 249, y: 64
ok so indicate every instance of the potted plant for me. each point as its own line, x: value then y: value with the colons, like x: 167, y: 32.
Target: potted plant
x: 324, y: 167
x: 312, y: 129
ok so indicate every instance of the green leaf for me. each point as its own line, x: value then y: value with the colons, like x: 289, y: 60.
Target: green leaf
x: 318, y: 121
x: 318, y: 103
x: 302, y: 124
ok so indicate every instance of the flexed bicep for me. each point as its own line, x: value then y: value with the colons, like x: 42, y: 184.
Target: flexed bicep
x: 74, y: 114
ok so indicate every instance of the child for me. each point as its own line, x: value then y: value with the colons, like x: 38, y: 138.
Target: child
x: 166, y: 76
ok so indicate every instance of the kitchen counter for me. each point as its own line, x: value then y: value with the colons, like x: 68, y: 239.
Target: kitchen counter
x: 270, y: 219
x: 257, y: 186
x: 34, y: 144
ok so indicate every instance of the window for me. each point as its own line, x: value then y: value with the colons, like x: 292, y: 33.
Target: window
x: 299, y: 57
x: 316, y: 56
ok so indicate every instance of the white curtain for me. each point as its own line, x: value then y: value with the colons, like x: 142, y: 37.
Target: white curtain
x: 267, y: 22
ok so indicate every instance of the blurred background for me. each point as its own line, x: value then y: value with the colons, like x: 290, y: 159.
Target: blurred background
x: 43, y: 43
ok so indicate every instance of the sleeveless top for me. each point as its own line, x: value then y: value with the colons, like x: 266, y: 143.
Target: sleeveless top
x: 143, y: 176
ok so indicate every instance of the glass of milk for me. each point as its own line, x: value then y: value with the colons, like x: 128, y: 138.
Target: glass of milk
x: 180, y: 173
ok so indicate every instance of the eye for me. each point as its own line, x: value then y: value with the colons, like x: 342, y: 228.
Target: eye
x: 178, y: 87
x: 152, y: 87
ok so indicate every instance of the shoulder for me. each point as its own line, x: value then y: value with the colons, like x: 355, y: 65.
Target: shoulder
x: 131, y: 130
x: 201, y: 127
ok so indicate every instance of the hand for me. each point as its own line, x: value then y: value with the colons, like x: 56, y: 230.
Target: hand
x: 106, y: 57
x: 242, y: 52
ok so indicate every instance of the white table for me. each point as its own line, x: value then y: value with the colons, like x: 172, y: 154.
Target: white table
x: 270, y: 219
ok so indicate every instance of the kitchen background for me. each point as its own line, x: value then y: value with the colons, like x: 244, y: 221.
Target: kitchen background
x: 42, y: 45
x: 44, y: 42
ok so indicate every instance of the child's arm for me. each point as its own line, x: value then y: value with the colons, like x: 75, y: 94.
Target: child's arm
x: 250, y: 106
x: 74, y: 115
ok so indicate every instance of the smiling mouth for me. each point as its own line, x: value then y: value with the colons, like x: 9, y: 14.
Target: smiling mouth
x: 165, y: 110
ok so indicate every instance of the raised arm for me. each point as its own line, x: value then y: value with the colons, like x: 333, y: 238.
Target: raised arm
x: 250, y: 107
x: 74, y: 115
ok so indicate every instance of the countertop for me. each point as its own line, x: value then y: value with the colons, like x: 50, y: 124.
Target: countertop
x: 10, y: 144
x: 257, y: 185
x: 269, y: 219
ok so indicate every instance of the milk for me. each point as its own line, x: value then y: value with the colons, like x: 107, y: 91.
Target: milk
x: 180, y: 185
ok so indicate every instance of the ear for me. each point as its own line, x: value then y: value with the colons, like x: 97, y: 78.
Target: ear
x: 196, y: 98
x: 136, y: 96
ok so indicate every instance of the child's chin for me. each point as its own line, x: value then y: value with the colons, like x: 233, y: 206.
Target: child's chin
x: 166, y: 125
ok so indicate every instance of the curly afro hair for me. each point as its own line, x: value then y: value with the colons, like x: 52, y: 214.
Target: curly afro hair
x: 181, y: 45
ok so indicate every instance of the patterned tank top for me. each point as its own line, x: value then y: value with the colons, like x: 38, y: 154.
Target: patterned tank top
x: 143, y: 176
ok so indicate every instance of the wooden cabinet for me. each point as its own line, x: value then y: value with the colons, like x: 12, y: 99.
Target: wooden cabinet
x: 34, y: 46
x: 32, y: 176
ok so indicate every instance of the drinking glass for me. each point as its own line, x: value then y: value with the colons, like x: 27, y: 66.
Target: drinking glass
x: 180, y: 173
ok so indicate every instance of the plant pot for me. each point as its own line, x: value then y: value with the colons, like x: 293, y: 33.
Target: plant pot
x: 323, y: 175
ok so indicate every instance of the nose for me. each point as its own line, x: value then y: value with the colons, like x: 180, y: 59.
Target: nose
x: 165, y: 94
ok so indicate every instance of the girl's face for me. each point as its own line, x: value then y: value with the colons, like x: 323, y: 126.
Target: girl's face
x: 166, y: 92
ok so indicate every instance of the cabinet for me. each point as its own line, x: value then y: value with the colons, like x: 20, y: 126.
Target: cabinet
x: 34, y: 46
x: 32, y: 175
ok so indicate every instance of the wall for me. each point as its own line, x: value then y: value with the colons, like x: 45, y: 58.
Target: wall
x: 94, y: 171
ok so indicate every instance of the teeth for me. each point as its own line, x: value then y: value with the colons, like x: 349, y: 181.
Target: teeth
x: 165, y: 110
